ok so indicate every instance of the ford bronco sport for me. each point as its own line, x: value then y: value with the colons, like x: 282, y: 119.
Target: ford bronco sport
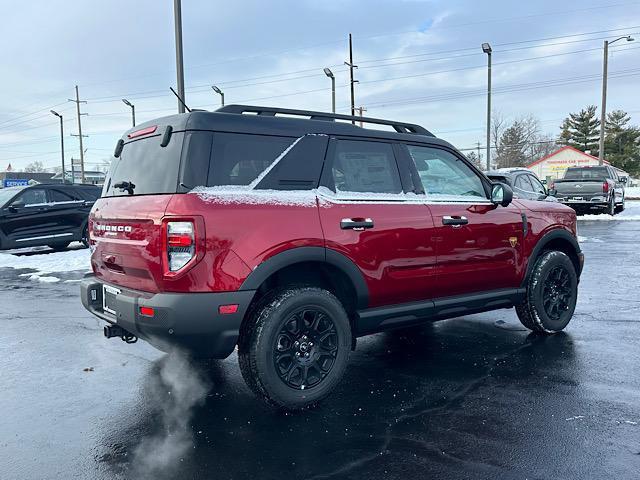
x: 289, y: 233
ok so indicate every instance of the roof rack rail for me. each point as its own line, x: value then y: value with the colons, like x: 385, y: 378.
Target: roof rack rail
x: 399, y: 127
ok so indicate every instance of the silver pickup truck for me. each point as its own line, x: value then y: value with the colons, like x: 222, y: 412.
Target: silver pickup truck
x: 590, y: 188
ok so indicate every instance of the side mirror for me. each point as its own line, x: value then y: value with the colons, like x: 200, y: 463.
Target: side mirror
x: 501, y: 194
x: 624, y: 180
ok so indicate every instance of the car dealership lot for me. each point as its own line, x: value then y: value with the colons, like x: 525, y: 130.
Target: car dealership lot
x: 474, y: 397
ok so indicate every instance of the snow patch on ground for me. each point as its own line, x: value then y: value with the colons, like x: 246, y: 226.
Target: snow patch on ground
x: 608, y: 218
x: 38, y: 278
x: 632, y: 193
x: 589, y: 240
x: 46, y: 263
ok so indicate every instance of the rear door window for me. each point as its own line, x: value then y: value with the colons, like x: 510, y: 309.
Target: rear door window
x: 151, y: 169
x: 56, y: 196
x: 365, y: 167
x: 238, y: 159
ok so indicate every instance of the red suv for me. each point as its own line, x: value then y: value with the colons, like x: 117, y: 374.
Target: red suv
x: 289, y: 233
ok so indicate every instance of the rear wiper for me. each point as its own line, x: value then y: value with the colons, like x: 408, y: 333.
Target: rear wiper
x: 128, y: 186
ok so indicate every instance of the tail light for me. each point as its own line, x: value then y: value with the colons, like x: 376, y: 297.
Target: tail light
x: 605, y: 187
x: 181, y: 244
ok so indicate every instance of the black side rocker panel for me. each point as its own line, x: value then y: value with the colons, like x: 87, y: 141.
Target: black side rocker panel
x: 379, y: 319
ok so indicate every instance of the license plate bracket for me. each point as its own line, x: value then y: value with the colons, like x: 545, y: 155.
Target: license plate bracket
x: 109, y: 295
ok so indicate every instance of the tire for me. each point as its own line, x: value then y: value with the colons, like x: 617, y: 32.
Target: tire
x: 58, y: 247
x: 611, y: 207
x: 621, y: 207
x: 311, y: 330
x: 85, y: 236
x: 552, y: 291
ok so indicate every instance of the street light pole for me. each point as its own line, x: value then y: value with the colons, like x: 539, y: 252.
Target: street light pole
x: 61, y: 143
x: 177, y: 14
x: 603, y: 107
x: 329, y: 73
x: 486, y: 48
x: 133, y: 110
x: 219, y: 92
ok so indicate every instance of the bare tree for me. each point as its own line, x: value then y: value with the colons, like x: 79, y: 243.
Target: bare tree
x: 34, y: 167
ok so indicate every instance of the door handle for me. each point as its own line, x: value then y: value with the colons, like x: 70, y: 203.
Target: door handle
x: 454, y: 221
x: 357, y: 224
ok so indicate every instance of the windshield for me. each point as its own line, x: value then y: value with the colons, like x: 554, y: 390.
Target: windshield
x: 7, y: 194
x: 597, y: 173
x: 144, y: 167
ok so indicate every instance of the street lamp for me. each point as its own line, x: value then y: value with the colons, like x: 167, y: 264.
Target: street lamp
x: 61, y: 142
x: 329, y: 73
x: 603, y: 108
x: 486, y: 48
x: 133, y: 110
x: 219, y: 92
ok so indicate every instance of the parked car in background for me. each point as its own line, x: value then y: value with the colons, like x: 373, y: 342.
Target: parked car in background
x: 591, y: 188
x: 290, y: 237
x: 524, y: 182
x: 54, y: 215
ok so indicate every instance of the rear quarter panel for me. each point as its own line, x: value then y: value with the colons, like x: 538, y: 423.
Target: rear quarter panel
x: 241, y: 234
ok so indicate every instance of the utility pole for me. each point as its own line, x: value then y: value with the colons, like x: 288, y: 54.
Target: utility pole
x: 61, y: 142
x: 351, y: 67
x: 486, y: 48
x: 361, y: 110
x: 177, y: 15
x: 77, y: 101
x: 603, y: 107
x: 479, y: 161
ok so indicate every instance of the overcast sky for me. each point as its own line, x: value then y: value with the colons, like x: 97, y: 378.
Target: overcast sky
x: 419, y: 61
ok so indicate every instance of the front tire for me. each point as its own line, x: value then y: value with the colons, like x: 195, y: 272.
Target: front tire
x: 58, y: 247
x: 295, y: 347
x: 621, y: 207
x: 552, y: 292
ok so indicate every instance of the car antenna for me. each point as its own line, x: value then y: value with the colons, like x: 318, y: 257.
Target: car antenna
x: 180, y: 99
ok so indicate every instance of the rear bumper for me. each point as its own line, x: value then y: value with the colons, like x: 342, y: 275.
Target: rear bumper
x: 584, y: 201
x: 187, y: 320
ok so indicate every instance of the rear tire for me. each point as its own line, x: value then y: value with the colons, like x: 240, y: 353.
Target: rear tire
x: 58, y: 247
x: 552, y: 292
x: 295, y: 347
x: 611, y: 208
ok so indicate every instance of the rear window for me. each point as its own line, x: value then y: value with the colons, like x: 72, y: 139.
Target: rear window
x: 596, y: 173
x: 151, y: 169
x: 238, y: 159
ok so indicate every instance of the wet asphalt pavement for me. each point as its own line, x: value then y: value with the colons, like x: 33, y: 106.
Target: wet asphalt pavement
x: 474, y: 397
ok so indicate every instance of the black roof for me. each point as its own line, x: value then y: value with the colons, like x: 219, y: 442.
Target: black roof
x: 269, y: 121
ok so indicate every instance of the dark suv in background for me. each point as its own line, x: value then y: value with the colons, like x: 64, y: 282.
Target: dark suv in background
x: 54, y: 215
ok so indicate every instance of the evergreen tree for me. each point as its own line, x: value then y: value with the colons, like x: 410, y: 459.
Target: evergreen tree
x: 622, y: 142
x: 581, y: 130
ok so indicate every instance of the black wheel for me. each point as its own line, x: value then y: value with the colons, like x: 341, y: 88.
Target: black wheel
x: 58, y: 247
x: 552, y: 291
x: 611, y: 207
x: 621, y: 207
x: 85, y: 236
x: 295, y: 347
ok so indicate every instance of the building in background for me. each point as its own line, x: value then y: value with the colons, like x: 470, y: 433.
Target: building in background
x: 93, y: 177
x: 555, y: 164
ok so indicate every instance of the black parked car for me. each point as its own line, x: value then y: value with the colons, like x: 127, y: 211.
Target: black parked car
x: 53, y: 215
x: 524, y: 183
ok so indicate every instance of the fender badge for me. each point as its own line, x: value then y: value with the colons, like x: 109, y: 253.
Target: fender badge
x: 513, y: 241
